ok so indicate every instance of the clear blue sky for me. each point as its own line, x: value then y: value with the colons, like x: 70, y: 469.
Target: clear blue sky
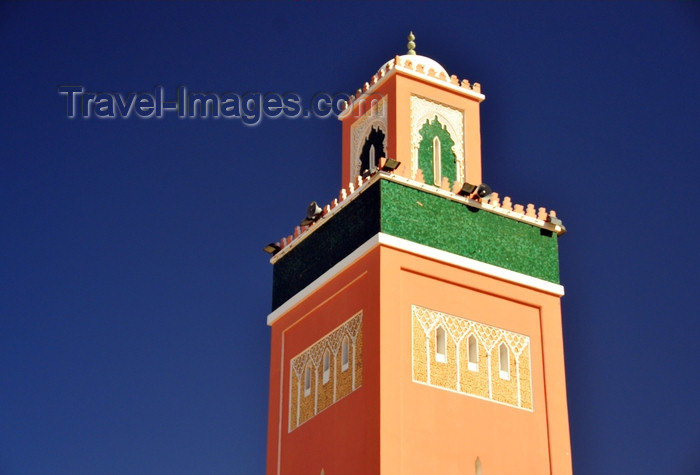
x: 133, y: 288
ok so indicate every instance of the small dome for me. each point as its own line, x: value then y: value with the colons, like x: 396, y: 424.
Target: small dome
x: 416, y: 59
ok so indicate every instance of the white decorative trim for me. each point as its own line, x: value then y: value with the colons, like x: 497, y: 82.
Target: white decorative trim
x: 487, y: 336
x: 422, y: 250
x: 311, y: 359
x: 376, y: 116
x: 471, y: 264
x: 423, y: 110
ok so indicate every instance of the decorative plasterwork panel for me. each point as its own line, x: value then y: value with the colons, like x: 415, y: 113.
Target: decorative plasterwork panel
x: 375, y: 117
x: 423, y: 110
x: 479, y: 374
x: 310, y: 390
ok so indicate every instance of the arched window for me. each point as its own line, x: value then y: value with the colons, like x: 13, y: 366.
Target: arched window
x: 503, y: 361
x: 473, y: 353
x: 372, y: 150
x: 436, y: 155
x: 345, y: 354
x: 307, y: 379
x: 440, y: 345
x: 477, y: 466
x: 437, y: 162
x: 326, y: 366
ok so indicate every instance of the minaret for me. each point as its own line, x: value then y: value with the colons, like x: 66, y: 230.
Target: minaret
x: 416, y: 322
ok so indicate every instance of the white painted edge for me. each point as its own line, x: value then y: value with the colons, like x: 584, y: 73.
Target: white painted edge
x: 471, y: 264
x: 422, y: 250
x: 323, y: 278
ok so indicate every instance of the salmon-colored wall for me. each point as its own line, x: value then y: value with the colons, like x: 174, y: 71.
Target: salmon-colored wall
x: 343, y: 438
x: 394, y: 426
x: 431, y: 430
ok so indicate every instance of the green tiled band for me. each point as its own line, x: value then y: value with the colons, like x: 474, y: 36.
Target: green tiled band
x: 421, y: 217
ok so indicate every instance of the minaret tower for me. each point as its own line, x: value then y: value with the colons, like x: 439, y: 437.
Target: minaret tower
x: 416, y: 321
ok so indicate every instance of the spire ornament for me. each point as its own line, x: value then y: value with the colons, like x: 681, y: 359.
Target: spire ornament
x: 411, y: 44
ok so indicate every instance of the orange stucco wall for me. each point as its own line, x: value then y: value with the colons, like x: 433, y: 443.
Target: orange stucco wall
x: 343, y: 438
x: 431, y: 430
x: 393, y: 425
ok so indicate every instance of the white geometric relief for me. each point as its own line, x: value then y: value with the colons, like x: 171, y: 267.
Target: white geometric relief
x: 480, y: 380
x: 375, y: 118
x: 335, y: 384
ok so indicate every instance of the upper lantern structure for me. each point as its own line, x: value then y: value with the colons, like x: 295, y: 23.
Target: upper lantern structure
x: 414, y: 111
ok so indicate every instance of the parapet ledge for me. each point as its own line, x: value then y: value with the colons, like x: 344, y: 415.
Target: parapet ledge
x: 404, y: 65
x: 345, y: 195
x: 541, y: 217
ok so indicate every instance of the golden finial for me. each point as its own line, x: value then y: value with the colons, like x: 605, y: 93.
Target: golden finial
x: 411, y: 45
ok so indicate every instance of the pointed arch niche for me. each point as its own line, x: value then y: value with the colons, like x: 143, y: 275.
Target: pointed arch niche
x: 452, y: 121
x: 369, y: 131
x: 327, y: 371
x: 436, y: 157
x: 448, y: 349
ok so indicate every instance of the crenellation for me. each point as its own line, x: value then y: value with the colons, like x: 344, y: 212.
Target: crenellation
x: 494, y: 200
x: 445, y: 185
x: 507, y: 208
x: 507, y: 204
x: 530, y: 211
x: 454, y: 80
